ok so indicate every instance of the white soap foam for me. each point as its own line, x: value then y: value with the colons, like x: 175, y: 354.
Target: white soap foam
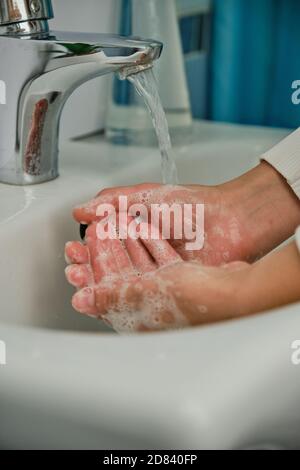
x: 157, y: 310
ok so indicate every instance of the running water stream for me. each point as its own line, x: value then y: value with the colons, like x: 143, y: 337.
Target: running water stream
x: 145, y: 85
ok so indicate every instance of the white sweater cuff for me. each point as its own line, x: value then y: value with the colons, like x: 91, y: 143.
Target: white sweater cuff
x: 297, y: 238
x: 285, y: 158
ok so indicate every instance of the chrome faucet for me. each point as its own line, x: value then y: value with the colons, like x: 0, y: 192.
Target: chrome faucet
x: 39, y: 69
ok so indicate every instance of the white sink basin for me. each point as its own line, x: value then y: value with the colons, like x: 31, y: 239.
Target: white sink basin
x: 67, y: 385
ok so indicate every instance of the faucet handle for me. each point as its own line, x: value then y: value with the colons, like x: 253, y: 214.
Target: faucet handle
x: 18, y: 11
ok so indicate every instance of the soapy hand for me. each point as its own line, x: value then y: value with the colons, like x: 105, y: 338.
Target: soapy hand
x: 243, y: 219
x: 148, y: 284
x: 226, y: 238
x: 122, y: 284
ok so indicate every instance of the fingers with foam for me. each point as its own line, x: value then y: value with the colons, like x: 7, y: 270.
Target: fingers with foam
x: 79, y: 275
x: 76, y: 253
x: 86, y: 213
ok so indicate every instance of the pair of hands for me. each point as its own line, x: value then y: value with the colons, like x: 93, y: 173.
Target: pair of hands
x: 145, y: 285
x: 139, y: 285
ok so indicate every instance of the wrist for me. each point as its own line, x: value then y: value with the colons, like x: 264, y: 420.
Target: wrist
x: 240, y: 297
x: 247, y: 295
x: 266, y: 206
x: 271, y: 282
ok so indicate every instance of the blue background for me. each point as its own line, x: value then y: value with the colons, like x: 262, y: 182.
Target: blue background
x: 255, y: 58
x: 240, y: 66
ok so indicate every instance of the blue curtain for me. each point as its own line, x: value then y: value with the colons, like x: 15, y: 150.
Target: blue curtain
x: 255, y: 59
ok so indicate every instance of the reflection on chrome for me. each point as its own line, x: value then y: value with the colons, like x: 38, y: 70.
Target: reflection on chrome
x: 39, y: 71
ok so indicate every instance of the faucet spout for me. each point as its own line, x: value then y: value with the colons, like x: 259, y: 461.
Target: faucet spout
x: 41, y: 69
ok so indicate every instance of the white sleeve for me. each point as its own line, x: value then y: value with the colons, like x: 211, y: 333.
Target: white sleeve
x: 297, y: 238
x: 285, y: 158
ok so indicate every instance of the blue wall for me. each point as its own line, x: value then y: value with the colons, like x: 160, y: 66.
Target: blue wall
x: 255, y: 58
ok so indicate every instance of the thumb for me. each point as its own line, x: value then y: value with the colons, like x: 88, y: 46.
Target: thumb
x: 87, y: 212
x: 109, y: 297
